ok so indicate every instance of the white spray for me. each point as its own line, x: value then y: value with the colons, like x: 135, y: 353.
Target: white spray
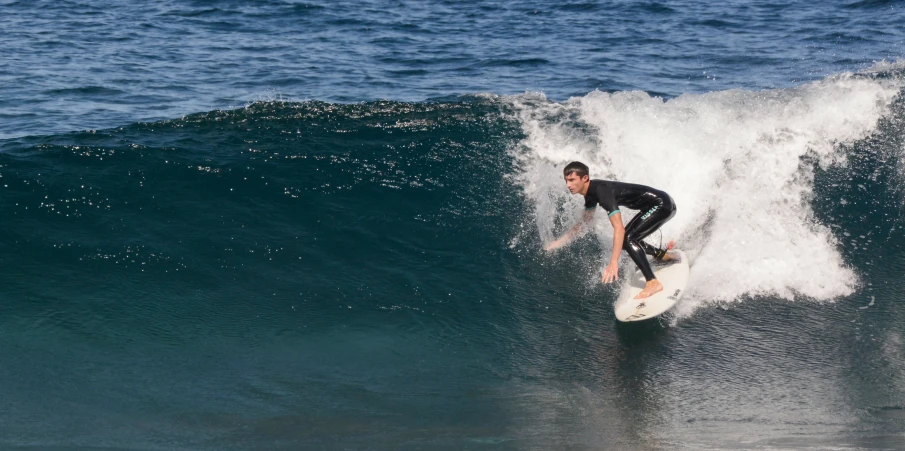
x: 732, y: 162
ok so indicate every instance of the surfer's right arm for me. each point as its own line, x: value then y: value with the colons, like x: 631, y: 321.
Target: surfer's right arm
x: 573, y: 232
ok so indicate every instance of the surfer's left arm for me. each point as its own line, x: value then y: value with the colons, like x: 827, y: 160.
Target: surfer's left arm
x: 572, y: 233
x: 611, y: 272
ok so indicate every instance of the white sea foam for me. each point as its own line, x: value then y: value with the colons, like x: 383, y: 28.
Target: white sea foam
x: 732, y: 162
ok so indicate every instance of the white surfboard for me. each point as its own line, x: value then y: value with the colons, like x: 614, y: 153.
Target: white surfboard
x: 673, y: 276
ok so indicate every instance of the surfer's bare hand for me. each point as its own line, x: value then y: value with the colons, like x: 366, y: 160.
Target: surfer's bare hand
x: 610, y: 273
x: 555, y: 244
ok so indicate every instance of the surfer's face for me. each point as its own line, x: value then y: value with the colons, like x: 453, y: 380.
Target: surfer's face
x: 576, y: 184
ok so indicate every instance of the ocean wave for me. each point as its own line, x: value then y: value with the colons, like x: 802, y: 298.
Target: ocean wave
x: 740, y: 164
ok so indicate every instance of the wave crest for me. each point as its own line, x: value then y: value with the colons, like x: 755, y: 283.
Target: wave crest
x: 738, y: 163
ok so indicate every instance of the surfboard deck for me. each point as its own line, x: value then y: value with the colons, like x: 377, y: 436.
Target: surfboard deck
x: 673, y: 276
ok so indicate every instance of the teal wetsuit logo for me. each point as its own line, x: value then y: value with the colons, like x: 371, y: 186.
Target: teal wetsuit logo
x: 650, y: 212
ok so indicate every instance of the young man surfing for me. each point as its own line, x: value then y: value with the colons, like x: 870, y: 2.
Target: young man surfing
x: 655, y: 208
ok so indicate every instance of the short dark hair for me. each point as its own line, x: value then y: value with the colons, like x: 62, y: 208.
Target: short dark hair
x: 577, y: 167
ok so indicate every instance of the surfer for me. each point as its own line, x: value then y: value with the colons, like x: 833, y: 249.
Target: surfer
x: 655, y: 208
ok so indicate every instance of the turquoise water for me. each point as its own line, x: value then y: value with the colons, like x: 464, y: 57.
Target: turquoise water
x: 217, y: 237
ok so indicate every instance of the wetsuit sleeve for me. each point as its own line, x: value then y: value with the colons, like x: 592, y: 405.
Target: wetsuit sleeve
x: 607, y: 200
x: 590, y: 202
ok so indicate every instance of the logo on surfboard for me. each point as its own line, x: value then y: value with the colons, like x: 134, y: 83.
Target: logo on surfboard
x: 675, y: 296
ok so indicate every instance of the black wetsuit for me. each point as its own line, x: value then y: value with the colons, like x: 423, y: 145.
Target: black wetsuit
x: 656, y: 207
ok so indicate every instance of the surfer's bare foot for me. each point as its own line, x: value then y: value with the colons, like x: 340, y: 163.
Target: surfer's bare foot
x: 652, y: 287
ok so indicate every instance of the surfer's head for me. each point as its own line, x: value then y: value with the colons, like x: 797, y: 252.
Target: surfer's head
x: 577, y: 178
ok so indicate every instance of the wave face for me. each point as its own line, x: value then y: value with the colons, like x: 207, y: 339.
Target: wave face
x: 310, y: 273
x: 308, y: 201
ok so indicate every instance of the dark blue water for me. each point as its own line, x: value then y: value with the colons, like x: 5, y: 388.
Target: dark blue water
x: 279, y: 225
x: 75, y: 65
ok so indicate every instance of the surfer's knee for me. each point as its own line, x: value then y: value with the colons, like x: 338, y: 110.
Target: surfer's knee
x: 629, y: 244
